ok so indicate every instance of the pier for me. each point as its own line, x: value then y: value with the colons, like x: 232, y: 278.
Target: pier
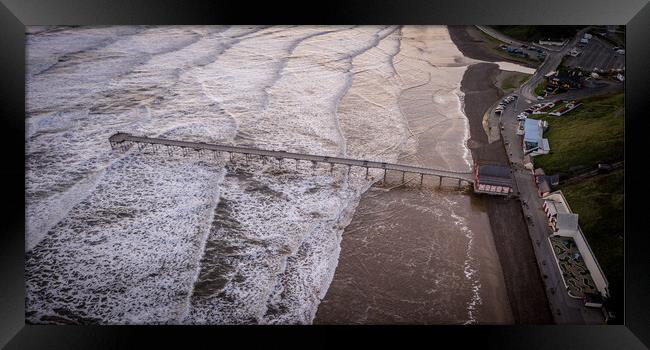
x: 124, y: 141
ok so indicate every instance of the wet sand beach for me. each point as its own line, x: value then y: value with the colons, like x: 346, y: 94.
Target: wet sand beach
x: 140, y: 237
x: 523, y: 281
x: 416, y: 256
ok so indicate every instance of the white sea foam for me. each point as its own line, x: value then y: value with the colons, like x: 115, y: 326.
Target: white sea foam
x: 470, y: 265
x: 141, y: 238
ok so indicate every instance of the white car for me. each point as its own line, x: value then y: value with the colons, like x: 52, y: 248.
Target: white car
x: 540, y: 97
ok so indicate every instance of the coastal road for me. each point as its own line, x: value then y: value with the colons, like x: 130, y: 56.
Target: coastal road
x: 565, y: 310
x: 552, y: 61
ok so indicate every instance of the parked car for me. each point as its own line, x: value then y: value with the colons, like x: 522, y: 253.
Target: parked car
x: 540, y: 97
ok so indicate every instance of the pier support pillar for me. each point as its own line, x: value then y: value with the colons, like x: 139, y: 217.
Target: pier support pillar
x: 440, y: 182
x: 459, y: 180
x: 231, y: 157
x: 384, y: 175
x: 349, y: 168
x: 421, y: 179
x: 367, y: 173
x: 331, y: 167
x: 403, y: 173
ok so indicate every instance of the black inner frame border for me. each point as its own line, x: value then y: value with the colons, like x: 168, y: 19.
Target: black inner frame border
x: 16, y: 14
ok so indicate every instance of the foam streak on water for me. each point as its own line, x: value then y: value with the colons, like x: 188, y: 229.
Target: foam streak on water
x: 118, y: 238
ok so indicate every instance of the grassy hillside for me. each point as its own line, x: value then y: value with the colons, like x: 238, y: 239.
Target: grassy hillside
x: 602, y: 224
x: 592, y: 133
x: 492, y: 44
x: 513, y: 80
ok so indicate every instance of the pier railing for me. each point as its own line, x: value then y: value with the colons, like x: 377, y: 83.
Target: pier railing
x: 124, y: 141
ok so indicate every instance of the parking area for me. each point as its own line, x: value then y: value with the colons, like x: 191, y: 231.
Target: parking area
x: 524, y: 51
x: 596, y: 54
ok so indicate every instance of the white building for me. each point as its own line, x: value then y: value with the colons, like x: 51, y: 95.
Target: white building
x: 533, y: 142
x: 555, y: 42
x: 564, y: 223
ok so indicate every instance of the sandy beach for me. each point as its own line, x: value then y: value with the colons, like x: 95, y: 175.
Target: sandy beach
x: 390, y: 255
x: 523, y: 281
x: 420, y: 257
x: 146, y: 238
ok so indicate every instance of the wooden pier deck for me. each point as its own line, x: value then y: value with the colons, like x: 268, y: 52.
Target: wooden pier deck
x: 124, y: 141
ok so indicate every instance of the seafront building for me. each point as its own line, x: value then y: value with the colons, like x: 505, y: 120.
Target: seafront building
x: 492, y: 179
x: 554, y: 41
x: 533, y: 141
x: 581, y: 273
x: 544, y: 182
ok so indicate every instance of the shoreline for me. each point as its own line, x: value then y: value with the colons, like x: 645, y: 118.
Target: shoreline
x: 469, y: 41
x: 524, y: 284
x: 440, y: 267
